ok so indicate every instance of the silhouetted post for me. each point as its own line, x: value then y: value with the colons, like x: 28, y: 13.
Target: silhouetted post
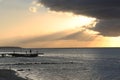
x: 30, y: 51
x: 3, y: 55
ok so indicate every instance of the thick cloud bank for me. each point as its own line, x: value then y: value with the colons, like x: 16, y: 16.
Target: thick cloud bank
x: 96, y: 8
x: 108, y: 27
x: 107, y: 11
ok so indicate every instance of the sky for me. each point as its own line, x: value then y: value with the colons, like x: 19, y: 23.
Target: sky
x: 60, y: 23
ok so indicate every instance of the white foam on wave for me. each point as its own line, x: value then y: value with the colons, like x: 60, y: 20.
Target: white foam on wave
x: 28, y: 74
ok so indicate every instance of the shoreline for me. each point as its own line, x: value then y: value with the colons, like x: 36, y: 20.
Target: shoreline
x: 7, y: 74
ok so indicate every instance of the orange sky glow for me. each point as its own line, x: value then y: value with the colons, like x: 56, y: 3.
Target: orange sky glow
x: 36, y: 26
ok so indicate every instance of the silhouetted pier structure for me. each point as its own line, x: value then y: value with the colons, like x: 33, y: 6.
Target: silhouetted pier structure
x: 21, y: 54
x: 18, y: 52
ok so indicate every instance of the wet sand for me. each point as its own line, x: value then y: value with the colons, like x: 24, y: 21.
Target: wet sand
x: 9, y: 75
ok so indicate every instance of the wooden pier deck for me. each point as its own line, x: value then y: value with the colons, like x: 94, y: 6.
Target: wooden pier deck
x: 20, y: 54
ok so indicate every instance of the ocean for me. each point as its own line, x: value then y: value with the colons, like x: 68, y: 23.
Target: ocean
x: 68, y: 64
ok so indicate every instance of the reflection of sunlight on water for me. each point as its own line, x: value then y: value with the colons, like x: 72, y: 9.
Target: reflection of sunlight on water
x: 89, y: 56
x: 74, y: 53
x: 72, y: 64
x: 30, y: 75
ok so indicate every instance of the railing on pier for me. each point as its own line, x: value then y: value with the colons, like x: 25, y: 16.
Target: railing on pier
x: 21, y: 54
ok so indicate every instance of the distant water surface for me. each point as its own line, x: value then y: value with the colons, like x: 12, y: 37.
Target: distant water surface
x: 68, y: 64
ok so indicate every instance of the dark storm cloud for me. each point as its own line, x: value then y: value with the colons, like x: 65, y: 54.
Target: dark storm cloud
x: 104, y: 10
x: 108, y: 27
x: 95, y: 8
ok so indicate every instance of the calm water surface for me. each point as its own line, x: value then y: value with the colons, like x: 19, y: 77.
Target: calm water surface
x: 68, y: 64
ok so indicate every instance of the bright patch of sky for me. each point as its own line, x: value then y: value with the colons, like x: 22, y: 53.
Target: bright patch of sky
x: 15, y: 11
x: 21, y: 20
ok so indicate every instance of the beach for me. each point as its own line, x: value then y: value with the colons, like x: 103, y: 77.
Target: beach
x: 6, y: 74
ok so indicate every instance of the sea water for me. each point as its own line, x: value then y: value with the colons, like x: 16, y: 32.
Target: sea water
x: 68, y: 64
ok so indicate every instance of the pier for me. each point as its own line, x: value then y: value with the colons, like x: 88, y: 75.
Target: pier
x: 19, y: 52
x: 27, y: 53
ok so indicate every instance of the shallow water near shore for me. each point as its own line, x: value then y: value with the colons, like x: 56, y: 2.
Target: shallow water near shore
x: 68, y: 64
